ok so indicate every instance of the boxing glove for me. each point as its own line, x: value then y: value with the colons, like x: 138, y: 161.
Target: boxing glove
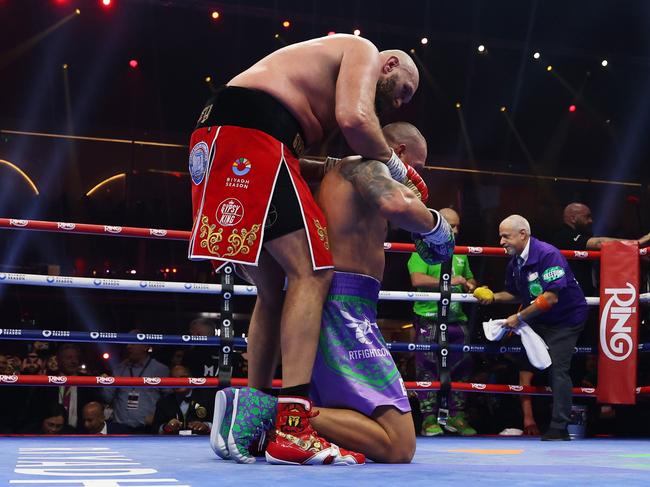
x: 437, y: 245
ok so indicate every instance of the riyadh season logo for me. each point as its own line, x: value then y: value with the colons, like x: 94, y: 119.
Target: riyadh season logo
x: 241, y: 167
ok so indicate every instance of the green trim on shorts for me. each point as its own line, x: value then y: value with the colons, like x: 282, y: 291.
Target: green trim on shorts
x: 344, y: 298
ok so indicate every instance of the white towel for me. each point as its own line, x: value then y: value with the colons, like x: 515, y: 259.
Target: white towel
x: 494, y: 329
x: 535, y: 347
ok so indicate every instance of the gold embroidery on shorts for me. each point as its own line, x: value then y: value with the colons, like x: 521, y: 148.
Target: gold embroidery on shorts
x: 242, y: 242
x: 322, y: 234
x: 209, y: 237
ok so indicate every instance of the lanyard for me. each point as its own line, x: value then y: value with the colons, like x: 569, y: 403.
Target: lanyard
x: 143, y: 368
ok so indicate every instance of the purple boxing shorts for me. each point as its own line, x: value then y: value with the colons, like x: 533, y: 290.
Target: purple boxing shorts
x: 353, y: 367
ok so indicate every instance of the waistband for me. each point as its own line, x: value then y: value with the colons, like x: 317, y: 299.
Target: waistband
x: 352, y: 284
x: 253, y: 109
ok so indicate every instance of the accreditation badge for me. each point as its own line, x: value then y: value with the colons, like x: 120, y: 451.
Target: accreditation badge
x: 132, y: 400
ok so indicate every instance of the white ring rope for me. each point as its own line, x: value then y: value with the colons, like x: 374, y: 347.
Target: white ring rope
x: 204, y: 288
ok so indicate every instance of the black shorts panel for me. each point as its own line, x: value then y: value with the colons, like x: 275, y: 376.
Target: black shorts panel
x: 284, y: 215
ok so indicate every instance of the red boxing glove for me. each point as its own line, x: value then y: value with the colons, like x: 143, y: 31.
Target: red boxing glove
x: 415, y: 183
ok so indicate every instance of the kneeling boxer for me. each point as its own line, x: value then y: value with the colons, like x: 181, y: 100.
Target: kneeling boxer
x: 359, y: 399
x: 359, y: 395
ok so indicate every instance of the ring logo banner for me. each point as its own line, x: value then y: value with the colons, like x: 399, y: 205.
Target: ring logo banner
x: 619, y: 323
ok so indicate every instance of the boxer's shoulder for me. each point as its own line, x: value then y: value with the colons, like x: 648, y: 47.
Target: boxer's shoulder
x: 356, y: 168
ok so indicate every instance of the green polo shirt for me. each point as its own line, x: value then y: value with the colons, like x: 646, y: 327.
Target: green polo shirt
x: 460, y: 267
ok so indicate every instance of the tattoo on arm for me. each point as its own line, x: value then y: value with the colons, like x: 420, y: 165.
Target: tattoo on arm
x: 371, y: 179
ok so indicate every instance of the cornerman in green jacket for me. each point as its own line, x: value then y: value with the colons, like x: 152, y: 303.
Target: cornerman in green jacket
x: 426, y: 278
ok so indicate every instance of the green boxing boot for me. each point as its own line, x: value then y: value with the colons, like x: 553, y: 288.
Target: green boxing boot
x: 458, y: 424
x: 430, y: 426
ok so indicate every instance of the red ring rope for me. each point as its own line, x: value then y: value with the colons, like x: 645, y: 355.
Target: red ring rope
x: 80, y: 380
x: 162, y: 234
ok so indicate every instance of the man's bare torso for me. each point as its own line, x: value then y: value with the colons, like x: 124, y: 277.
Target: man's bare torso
x: 355, y: 228
x: 303, y: 78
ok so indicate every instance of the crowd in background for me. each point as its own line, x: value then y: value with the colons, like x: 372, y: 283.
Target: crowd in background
x: 110, y: 410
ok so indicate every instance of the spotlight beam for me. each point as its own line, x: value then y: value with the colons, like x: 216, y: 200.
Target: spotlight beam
x: 10, y: 56
x: 428, y: 77
x: 519, y: 140
x: 577, y: 94
x: 72, y: 170
x: 465, y: 137
x: 564, y: 83
x: 524, y: 57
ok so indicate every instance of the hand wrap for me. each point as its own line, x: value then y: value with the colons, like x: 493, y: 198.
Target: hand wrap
x: 396, y: 167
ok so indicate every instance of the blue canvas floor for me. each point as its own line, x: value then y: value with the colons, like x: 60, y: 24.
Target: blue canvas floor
x: 184, y: 461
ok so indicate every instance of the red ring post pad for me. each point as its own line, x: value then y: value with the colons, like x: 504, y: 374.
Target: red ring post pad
x: 619, y: 322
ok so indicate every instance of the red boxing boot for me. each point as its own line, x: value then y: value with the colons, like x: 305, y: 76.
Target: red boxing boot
x: 295, y: 442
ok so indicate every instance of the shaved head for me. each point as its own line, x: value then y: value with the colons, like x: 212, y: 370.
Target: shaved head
x: 398, y: 80
x: 407, y: 142
x: 578, y: 216
x: 449, y: 214
x: 406, y: 63
x: 514, y: 233
x: 402, y: 132
x: 93, y: 407
x: 453, y: 218
x: 93, y: 417
x: 573, y: 209
x: 516, y: 223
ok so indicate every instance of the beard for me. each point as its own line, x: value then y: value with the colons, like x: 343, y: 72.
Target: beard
x: 384, y: 94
